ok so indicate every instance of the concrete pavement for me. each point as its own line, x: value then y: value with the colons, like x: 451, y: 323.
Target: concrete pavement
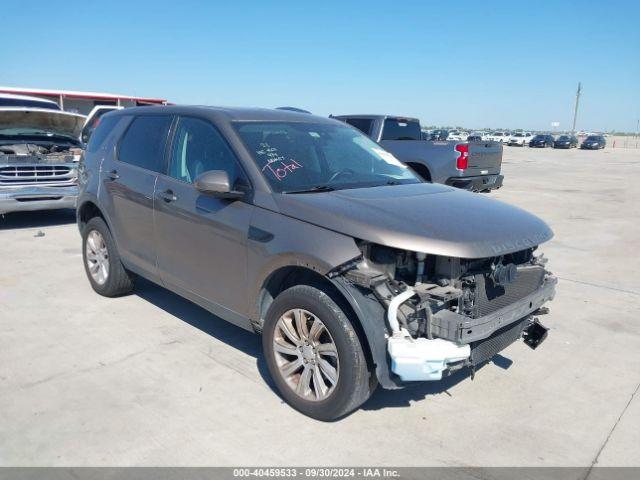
x: 151, y: 379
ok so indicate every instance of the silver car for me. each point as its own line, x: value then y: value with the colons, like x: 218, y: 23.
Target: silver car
x: 301, y: 228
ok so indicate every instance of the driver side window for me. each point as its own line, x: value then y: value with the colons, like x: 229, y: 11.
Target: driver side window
x: 197, y: 148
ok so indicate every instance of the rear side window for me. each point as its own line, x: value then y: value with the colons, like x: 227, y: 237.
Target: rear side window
x: 400, y: 129
x: 144, y: 141
x: 101, y: 132
x: 362, y: 124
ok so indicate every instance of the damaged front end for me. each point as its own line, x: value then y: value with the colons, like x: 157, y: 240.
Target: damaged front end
x: 33, y: 177
x: 445, y: 313
x: 39, y: 154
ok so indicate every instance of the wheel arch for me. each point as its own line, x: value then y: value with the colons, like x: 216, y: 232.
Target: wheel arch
x: 421, y: 169
x: 288, y: 276
x: 87, y: 210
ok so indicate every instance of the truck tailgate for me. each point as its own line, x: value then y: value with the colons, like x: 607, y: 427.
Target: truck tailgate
x: 485, y: 158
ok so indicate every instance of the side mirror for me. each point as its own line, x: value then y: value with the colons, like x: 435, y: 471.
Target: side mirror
x: 216, y: 183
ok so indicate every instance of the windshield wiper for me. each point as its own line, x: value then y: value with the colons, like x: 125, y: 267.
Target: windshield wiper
x: 316, y: 189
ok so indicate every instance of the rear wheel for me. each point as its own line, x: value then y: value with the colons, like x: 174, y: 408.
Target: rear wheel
x: 314, y: 354
x: 102, y: 264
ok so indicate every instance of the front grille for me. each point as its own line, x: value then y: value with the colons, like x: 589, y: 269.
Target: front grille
x: 486, y: 349
x: 491, y: 297
x: 18, y: 174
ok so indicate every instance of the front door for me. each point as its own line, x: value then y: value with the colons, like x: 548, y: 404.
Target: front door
x: 202, y: 240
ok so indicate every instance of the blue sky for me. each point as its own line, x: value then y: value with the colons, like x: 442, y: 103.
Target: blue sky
x: 513, y: 64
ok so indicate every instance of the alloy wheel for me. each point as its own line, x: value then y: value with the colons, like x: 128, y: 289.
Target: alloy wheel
x: 306, y: 355
x: 97, y: 256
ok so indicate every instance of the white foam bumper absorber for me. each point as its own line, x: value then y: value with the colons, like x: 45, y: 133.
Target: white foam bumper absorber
x: 423, y: 359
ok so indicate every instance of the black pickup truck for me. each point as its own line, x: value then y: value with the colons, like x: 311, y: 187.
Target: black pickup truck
x: 470, y: 165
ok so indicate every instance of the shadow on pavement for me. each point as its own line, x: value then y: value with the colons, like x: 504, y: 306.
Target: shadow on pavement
x: 43, y: 218
x: 250, y: 344
x: 206, y: 322
x: 420, y: 390
x: 414, y: 392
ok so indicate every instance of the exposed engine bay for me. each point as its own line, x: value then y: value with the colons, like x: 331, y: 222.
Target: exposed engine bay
x: 40, y: 148
x: 39, y: 173
x: 464, y: 310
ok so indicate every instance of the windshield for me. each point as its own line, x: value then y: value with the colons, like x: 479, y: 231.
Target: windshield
x: 518, y: 135
x: 305, y: 157
x: 540, y: 137
x: 564, y: 137
x: 592, y: 138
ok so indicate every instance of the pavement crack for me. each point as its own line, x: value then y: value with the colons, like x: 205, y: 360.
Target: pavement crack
x: 99, y: 365
x: 606, y: 440
x: 597, y: 285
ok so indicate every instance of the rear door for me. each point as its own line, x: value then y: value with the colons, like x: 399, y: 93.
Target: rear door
x: 202, y: 240
x: 130, y: 181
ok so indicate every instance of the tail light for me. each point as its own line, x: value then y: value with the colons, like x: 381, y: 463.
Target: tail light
x: 462, y: 162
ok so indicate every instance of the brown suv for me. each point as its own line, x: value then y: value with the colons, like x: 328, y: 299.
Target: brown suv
x: 305, y: 230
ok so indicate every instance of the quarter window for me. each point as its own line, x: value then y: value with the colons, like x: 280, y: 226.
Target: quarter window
x: 101, y: 133
x: 144, y: 141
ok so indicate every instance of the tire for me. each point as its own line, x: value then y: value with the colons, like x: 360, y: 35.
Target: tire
x: 421, y: 171
x: 117, y: 280
x: 353, y: 386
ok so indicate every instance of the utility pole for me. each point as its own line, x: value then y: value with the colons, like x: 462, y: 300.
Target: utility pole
x: 575, y: 112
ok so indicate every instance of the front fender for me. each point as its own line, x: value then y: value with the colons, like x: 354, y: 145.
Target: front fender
x: 280, y: 241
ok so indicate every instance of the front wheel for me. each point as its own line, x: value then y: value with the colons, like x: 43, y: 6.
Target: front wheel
x: 314, y: 354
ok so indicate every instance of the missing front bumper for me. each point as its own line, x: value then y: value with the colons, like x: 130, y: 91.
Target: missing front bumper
x: 462, y: 329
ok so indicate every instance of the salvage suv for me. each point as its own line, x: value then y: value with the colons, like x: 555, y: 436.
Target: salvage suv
x: 301, y: 228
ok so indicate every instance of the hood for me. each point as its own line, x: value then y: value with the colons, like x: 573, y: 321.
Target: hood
x: 56, y: 121
x: 423, y: 217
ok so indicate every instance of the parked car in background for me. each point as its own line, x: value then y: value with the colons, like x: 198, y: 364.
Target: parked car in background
x: 93, y: 119
x: 472, y: 166
x: 302, y: 229
x: 475, y: 137
x: 39, y: 151
x: 457, y: 136
x: 542, y: 141
x: 439, y: 135
x: 565, y: 141
x: 520, y: 139
x: 499, y: 136
x: 593, y: 142
x: 10, y: 100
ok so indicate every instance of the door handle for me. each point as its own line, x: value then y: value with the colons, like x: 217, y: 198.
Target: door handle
x: 113, y: 175
x: 168, y: 196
